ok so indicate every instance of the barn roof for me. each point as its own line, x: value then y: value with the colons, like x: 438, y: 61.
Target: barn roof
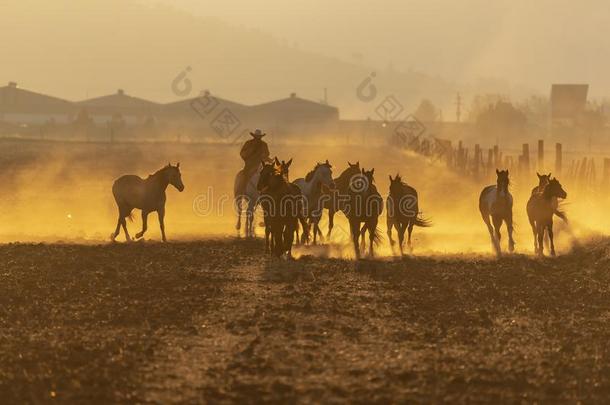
x: 16, y: 100
x: 119, y: 102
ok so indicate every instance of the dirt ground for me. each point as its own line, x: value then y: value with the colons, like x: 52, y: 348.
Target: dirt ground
x: 218, y: 321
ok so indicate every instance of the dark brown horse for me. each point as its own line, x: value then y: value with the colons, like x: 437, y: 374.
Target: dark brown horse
x: 364, y: 204
x: 131, y: 191
x: 496, y: 205
x: 540, y: 210
x: 284, y: 169
x: 282, y: 206
x: 402, y: 212
x: 335, y: 202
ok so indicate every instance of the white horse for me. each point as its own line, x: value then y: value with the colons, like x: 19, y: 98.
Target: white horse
x: 250, y: 197
x: 315, y: 187
x: 496, y: 204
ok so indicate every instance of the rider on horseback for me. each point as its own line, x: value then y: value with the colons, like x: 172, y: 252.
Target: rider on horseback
x: 253, y: 152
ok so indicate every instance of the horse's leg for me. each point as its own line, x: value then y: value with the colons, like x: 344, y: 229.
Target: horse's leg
x: 362, y: 237
x: 410, y: 228
x: 509, y: 227
x: 117, y: 230
x: 161, y: 213
x: 533, y: 225
x: 124, y: 224
x: 390, y: 224
x: 288, y: 237
x: 401, y: 236
x: 497, y: 222
x: 540, y: 232
x: 354, y: 226
x: 144, y: 224
x: 372, y: 226
x: 238, y: 207
x: 277, y: 231
x: 331, y: 221
x: 494, y: 242
x: 550, y: 230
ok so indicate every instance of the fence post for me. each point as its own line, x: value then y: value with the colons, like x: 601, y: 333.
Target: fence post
x: 558, y: 159
x: 540, y: 154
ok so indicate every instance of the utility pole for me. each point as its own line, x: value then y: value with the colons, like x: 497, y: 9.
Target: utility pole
x: 458, y: 105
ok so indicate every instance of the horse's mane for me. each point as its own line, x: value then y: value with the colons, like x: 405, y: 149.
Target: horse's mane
x: 309, y: 175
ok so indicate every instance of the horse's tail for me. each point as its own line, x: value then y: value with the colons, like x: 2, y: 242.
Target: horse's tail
x: 422, y: 222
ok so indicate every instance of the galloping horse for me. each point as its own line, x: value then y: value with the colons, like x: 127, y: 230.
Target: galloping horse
x: 131, y: 191
x: 334, y: 204
x: 496, y: 204
x: 284, y: 169
x: 282, y: 210
x: 315, y: 188
x: 364, y: 204
x: 403, y: 211
x: 540, y: 210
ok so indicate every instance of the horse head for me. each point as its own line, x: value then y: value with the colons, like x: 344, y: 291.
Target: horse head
x: 395, y: 184
x: 174, y: 177
x: 322, y: 174
x: 503, y: 180
x: 554, y: 189
x: 543, y: 180
x: 283, y: 166
x: 268, y: 172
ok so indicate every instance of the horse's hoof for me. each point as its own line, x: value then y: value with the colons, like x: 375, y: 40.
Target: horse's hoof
x: 553, y: 253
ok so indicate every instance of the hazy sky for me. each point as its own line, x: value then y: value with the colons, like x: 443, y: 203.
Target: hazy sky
x: 245, y: 50
x: 529, y: 42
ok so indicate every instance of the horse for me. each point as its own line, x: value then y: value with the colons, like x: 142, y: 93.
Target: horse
x: 283, y: 205
x: 540, y: 210
x: 131, y: 191
x: 250, y: 197
x: 496, y: 204
x: 402, y: 207
x: 341, y: 187
x: 284, y: 169
x: 543, y: 180
x: 315, y: 187
x: 363, y: 205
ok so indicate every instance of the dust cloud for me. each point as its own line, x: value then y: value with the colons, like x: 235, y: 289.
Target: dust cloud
x: 56, y: 191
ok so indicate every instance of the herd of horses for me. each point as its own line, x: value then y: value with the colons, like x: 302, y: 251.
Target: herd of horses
x: 289, y: 204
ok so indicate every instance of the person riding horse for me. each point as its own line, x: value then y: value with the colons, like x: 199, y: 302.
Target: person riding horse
x: 253, y: 152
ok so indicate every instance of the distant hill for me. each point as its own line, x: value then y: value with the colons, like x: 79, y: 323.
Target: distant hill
x: 90, y: 48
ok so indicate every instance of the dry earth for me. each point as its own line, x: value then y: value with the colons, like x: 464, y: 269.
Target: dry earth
x: 217, y: 321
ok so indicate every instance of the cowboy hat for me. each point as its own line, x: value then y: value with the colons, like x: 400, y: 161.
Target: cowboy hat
x: 258, y: 133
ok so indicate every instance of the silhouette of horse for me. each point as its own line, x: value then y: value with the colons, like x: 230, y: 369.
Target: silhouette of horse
x: 315, y: 187
x: 496, y: 204
x: 250, y: 198
x: 543, y: 180
x: 282, y: 205
x: 333, y: 204
x: 540, y: 210
x: 284, y: 169
x: 131, y: 191
x: 403, y: 211
x: 363, y: 205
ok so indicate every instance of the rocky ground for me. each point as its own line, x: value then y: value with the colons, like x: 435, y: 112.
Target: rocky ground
x: 218, y: 321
